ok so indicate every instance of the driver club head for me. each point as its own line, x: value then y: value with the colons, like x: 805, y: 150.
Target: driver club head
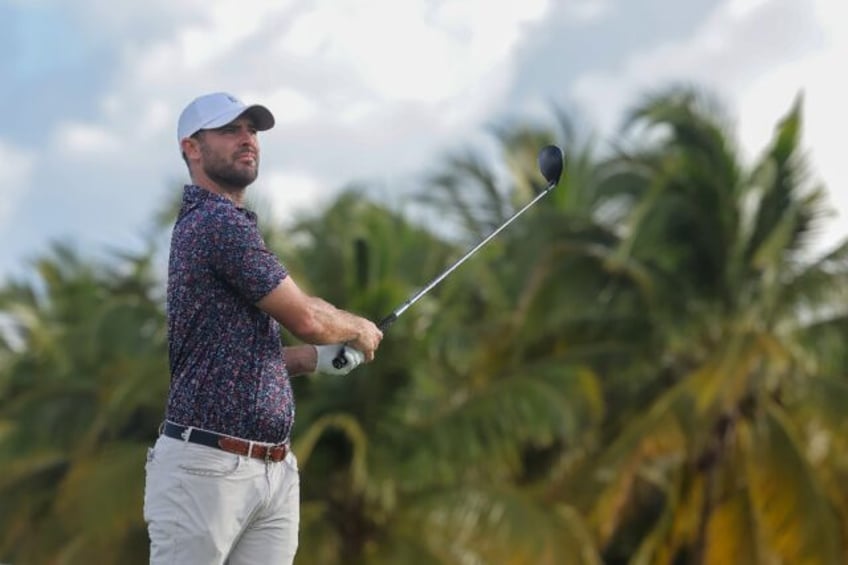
x: 550, y: 163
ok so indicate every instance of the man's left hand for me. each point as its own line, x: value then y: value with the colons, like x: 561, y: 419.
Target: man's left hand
x: 326, y: 354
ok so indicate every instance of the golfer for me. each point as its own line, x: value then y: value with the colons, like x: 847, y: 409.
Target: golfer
x: 222, y: 484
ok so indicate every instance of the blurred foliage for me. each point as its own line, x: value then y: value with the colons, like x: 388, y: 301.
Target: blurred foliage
x: 648, y: 368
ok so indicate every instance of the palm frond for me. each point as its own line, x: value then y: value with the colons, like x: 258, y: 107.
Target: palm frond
x: 794, y: 520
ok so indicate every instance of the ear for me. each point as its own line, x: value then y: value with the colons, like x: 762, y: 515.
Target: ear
x: 190, y: 148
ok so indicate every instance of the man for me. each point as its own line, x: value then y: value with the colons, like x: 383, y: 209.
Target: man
x: 222, y: 484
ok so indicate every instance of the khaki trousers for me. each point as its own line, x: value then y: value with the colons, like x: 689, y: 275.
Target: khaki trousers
x: 205, y: 506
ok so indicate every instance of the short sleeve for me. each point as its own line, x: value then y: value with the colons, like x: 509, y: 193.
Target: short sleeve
x: 239, y: 256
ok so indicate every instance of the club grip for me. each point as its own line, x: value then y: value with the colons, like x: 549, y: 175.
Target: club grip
x: 340, y: 360
x: 387, y: 322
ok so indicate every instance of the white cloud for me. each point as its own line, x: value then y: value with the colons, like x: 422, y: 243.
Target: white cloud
x: 410, y: 51
x: 289, y: 106
x: 351, y: 79
x: 289, y: 193
x: 758, y: 55
x: 739, y: 42
x: 14, y: 176
x: 348, y: 57
x: 74, y: 139
x: 739, y: 9
x: 218, y: 29
x: 583, y: 11
x: 770, y: 95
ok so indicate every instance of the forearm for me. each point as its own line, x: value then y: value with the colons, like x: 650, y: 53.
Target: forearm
x: 330, y: 324
x: 309, y: 318
x: 316, y: 321
x: 300, y: 359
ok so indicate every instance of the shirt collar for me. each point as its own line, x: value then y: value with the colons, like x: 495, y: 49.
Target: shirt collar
x: 194, y: 194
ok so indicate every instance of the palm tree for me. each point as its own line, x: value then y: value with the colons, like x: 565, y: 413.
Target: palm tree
x: 448, y: 430
x: 717, y: 468
x: 81, y: 387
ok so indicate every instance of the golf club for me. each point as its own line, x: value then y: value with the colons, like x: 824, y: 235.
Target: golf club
x: 550, y: 162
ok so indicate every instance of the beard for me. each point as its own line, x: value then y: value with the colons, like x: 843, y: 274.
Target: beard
x: 228, y: 172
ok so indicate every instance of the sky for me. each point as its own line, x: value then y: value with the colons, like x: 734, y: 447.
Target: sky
x: 370, y: 91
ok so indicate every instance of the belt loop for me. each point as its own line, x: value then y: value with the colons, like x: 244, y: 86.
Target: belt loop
x: 186, y: 433
x: 250, y: 449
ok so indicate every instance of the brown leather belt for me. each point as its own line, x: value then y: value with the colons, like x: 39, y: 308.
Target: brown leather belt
x: 269, y: 453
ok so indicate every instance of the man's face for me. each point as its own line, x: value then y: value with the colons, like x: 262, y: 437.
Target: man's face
x: 230, y: 154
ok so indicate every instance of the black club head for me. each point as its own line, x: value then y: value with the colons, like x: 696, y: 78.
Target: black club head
x: 550, y: 163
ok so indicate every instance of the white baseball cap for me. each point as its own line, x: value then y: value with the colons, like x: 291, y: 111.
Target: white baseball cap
x: 218, y: 109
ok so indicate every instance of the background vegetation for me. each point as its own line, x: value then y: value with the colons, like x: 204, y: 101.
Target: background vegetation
x: 648, y: 367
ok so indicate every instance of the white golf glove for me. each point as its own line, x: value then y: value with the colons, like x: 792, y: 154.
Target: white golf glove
x: 326, y: 354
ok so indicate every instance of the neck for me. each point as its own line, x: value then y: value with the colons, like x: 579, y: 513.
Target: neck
x: 233, y: 193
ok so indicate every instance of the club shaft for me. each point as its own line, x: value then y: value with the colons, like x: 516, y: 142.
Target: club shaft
x: 388, y: 320
x: 384, y: 324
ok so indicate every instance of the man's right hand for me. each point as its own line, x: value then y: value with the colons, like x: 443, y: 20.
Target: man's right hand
x: 368, y: 339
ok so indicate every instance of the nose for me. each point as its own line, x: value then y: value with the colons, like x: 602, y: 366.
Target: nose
x: 247, y: 137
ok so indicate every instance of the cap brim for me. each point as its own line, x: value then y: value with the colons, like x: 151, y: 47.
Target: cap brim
x: 263, y: 119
